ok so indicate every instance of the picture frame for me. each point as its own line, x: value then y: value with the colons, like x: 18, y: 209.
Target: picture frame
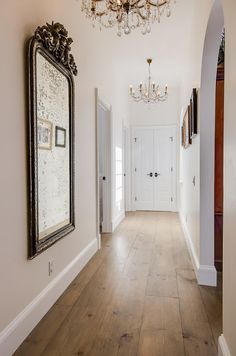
x: 51, y: 68
x: 60, y: 137
x: 189, y: 125
x: 182, y: 136
x: 186, y: 139
x: 194, y: 113
x: 45, y: 134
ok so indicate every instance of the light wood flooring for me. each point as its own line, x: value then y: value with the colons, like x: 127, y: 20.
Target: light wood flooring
x: 137, y: 296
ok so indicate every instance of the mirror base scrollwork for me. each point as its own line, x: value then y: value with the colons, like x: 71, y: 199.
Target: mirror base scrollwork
x: 51, y: 137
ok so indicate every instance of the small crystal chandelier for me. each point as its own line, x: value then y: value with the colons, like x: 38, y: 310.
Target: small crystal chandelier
x: 149, y: 92
x: 126, y: 14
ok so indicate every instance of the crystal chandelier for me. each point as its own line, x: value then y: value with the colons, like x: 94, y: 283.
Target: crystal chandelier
x: 126, y: 14
x: 149, y: 92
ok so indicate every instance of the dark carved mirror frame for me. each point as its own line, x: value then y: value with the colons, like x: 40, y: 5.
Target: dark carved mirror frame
x: 53, y: 43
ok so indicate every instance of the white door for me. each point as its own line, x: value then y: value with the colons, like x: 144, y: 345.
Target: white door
x: 143, y: 170
x: 154, y: 176
x: 163, y: 169
x: 104, y: 164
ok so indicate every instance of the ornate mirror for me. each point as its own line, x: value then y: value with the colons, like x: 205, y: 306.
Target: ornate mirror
x: 51, y: 137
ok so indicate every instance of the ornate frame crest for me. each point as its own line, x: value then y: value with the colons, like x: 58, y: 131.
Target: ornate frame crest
x: 55, y: 39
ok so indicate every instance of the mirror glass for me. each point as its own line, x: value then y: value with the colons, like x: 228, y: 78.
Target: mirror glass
x: 53, y: 147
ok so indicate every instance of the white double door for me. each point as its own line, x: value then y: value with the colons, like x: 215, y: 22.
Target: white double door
x: 154, y: 165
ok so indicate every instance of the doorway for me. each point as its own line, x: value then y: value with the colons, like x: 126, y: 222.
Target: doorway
x: 154, y: 168
x: 207, y: 97
x: 103, y: 167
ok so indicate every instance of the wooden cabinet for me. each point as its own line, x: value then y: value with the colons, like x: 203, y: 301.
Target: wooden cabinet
x: 219, y: 171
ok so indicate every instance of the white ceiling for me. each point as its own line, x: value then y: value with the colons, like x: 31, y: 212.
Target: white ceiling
x: 169, y: 44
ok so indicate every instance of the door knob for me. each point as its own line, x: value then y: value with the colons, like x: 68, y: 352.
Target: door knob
x: 157, y: 174
x: 150, y: 175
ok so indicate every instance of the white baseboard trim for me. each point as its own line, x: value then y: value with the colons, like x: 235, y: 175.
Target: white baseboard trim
x: 189, y: 243
x: 206, y: 275
x: 99, y: 238
x: 15, y: 333
x: 223, y: 349
x: 116, y: 222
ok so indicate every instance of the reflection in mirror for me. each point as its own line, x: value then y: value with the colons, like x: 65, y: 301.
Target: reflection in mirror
x: 53, y: 159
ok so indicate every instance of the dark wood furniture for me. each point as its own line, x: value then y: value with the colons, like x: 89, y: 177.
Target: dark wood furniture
x: 219, y: 162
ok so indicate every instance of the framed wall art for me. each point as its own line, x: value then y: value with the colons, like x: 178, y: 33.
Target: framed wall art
x: 194, y: 113
x: 60, y: 137
x: 51, y: 125
x: 189, y: 125
x: 44, y: 134
x: 182, y: 136
x: 186, y: 139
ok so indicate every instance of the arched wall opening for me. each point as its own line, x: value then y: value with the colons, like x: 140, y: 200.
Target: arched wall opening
x: 207, y: 273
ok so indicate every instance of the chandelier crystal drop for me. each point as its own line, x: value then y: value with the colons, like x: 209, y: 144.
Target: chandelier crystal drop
x: 126, y: 14
x: 149, y: 92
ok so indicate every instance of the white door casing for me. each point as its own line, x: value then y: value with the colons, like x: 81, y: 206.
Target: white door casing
x: 106, y: 190
x: 154, y: 168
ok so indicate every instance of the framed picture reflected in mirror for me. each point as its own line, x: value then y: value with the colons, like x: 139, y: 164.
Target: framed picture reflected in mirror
x: 44, y: 134
x: 60, y: 137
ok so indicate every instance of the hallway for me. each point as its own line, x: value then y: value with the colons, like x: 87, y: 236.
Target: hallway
x: 137, y: 296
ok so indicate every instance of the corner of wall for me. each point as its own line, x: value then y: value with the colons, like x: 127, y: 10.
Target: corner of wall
x: 207, y: 276
x: 223, y: 349
x: 117, y: 220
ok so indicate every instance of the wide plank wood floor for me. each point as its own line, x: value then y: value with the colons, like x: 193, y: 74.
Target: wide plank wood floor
x: 137, y: 296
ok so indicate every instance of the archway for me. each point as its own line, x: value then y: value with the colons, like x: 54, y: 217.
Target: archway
x: 207, y: 272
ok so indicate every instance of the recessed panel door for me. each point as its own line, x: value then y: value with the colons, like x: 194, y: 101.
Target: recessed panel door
x: 143, y: 162
x: 163, y: 167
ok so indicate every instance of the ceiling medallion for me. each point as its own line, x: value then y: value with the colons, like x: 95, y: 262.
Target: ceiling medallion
x: 149, y: 92
x: 126, y: 14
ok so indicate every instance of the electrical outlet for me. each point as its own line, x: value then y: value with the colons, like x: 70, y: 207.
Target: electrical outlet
x: 50, y: 267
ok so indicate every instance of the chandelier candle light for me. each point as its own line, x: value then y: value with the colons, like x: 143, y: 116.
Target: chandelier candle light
x: 150, y: 92
x: 126, y: 14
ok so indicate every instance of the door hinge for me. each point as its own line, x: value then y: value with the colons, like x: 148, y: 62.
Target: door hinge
x: 172, y: 138
x: 135, y: 169
x: 135, y: 199
x: 135, y: 139
x: 172, y: 169
x: 172, y: 199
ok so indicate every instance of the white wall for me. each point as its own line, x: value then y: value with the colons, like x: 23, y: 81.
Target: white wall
x: 192, y: 198
x: 189, y: 193
x: 162, y: 113
x: 229, y: 288
x: 227, y: 341
x: 22, y: 280
x: 207, y: 133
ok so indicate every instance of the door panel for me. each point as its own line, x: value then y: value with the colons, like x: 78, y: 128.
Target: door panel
x: 144, y: 166
x: 163, y: 165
